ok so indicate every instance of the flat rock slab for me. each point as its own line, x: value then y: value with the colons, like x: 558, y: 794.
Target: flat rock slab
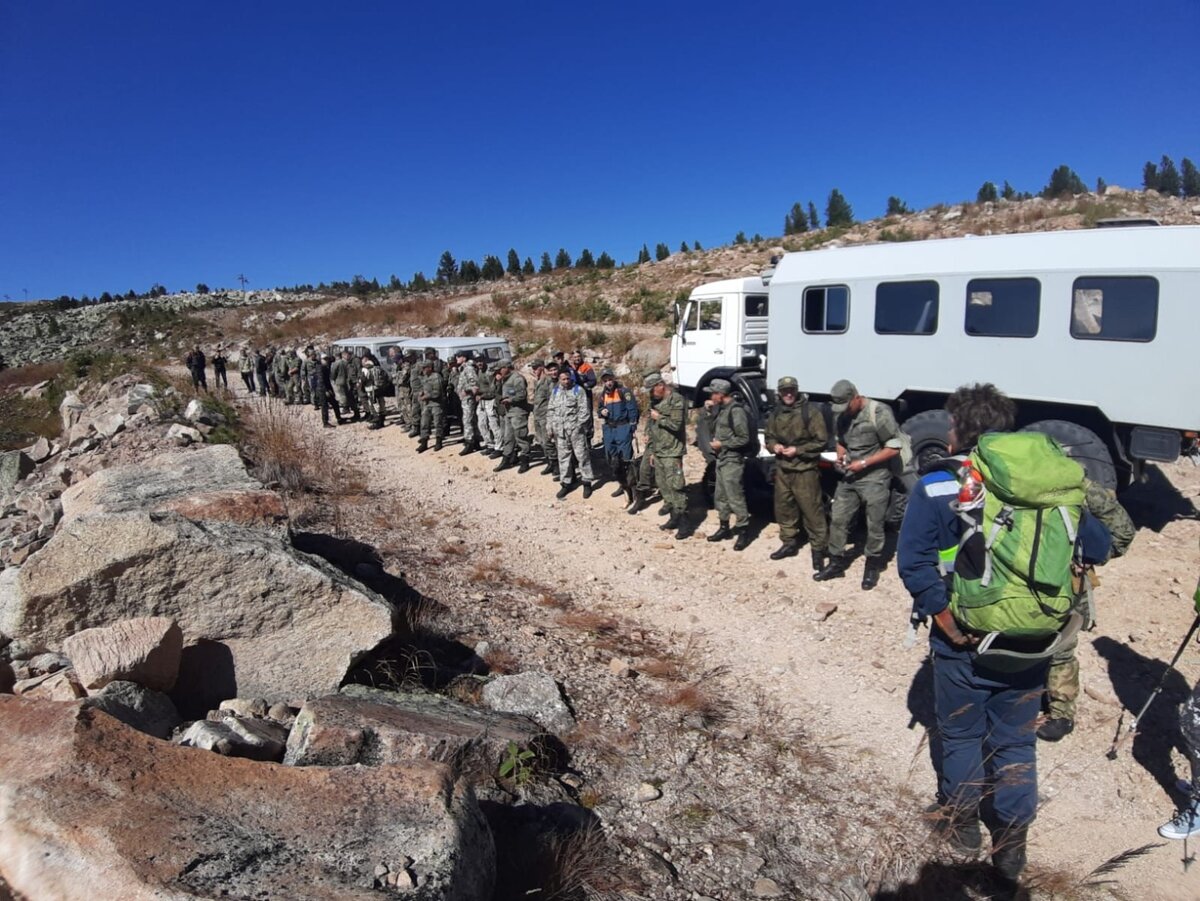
x: 94, y: 809
x: 140, y: 708
x: 14, y: 466
x: 259, y: 618
x: 373, y: 727
x: 532, y: 694
x: 145, y: 650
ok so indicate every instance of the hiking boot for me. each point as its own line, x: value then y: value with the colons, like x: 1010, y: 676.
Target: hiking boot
x: 664, y: 510
x: 871, y: 571
x: 673, y: 523
x: 722, y: 533
x: 524, y: 467
x: 637, y: 504
x: 960, y: 830
x: 412, y: 433
x: 437, y: 445
x: 787, y: 549
x: 618, y: 491
x: 818, y: 559
x: 422, y: 446
x: 1056, y: 728
x: 547, y: 470
x: 1008, y: 851
x: 587, y: 489
x: 743, y: 539
x: 468, y: 449
x: 564, y: 490
x: 505, y: 463
x: 1185, y: 824
x: 834, y: 569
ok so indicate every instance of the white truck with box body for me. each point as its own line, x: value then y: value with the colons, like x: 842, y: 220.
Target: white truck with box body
x: 720, y: 329
x: 1093, y: 333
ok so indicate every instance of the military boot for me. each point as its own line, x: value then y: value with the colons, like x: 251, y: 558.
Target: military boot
x: 673, y: 523
x: 638, y: 503
x: 1008, y: 851
x: 834, y: 569
x: 422, y: 445
x: 506, y: 462
x: 1056, y: 728
x: 437, y: 445
x: 743, y: 538
x: 412, y: 432
x: 563, y: 490
x: 467, y: 449
x: 524, y: 467
x: 871, y: 570
x: 722, y: 532
x: 548, y: 468
x: 587, y: 489
x: 818, y: 559
x: 787, y: 549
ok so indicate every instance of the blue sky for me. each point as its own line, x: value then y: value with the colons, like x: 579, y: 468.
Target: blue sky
x: 179, y: 142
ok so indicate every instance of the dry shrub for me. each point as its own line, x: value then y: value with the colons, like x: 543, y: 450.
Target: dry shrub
x: 699, y: 700
x: 620, y: 343
x: 287, y: 453
x: 554, y: 600
x: 502, y: 662
x: 422, y: 614
x: 361, y: 318
x: 565, y: 337
x: 610, y: 746
x: 588, y: 621
x: 660, y: 668
x: 486, y: 570
x: 451, y: 550
x: 32, y: 374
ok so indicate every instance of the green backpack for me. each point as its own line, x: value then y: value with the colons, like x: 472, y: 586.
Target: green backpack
x: 1012, y: 571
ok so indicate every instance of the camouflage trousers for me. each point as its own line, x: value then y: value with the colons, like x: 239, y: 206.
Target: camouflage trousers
x: 874, y: 496
x: 730, y: 496
x: 1062, y: 682
x: 404, y: 404
x: 433, y: 418
x: 574, y: 445
x: 292, y: 389
x: 516, y: 433
x: 665, y: 474
x: 798, y: 499
x: 490, y: 433
x: 469, y: 427
x: 543, y: 436
x: 1189, y: 727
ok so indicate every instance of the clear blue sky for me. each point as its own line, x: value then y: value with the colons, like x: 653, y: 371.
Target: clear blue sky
x: 179, y: 142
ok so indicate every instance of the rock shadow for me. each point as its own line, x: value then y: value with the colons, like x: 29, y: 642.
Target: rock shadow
x: 953, y: 882
x: 922, y: 714
x: 206, y: 678
x: 1156, y: 502
x: 1133, y: 678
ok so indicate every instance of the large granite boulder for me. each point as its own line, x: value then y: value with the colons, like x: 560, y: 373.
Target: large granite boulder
x: 259, y: 618
x: 374, y: 727
x: 90, y: 808
x: 138, y: 707
x: 145, y: 650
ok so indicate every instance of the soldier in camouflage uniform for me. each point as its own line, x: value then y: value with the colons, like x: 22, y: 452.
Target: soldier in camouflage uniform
x: 868, y: 440
x: 514, y: 398
x: 310, y: 378
x: 370, y: 384
x: 796, y: 435
x: 403, y: 383
x: 731, y: 443
x: 282, y: 366
x: 568, y: 415
x: 433, y: 416
x: 343, y: 375
x: 467, y: 389
x: 1062, y: 682
x: 547, y: 376
x: 490, y: 433
x: 662, y: 464
x: 416, y: 378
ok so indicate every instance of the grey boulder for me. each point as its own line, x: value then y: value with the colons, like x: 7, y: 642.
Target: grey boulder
x: 532, y: 694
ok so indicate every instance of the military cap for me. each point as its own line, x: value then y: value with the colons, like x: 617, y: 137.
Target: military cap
x: 607, y: 374
x: 537, y: 364
x: 840, y: 395
x: 719, y: 386
x: 503, y: 363
x: 428, y: 364
x: 651, y: 380
x: 787, y: 383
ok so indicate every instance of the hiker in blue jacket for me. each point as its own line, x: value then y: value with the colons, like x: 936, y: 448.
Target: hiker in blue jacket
x: 986, y: 709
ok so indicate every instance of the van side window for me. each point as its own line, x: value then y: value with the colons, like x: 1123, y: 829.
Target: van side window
x: 493, y: 353
x: 710, y: 314
x: 756, y: 305
x: 1115, y: 308
x: 826, y: 309
x: 906, y: 308
x: 1003, y: 307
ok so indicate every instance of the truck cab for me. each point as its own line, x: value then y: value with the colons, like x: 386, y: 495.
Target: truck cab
x: 721, y: 328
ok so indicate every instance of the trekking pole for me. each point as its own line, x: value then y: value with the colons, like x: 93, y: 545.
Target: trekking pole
x: 1122, y: 737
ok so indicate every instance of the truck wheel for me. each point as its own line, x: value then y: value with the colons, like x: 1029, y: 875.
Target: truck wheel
x: 930, y: 434
x: 1083, y: 446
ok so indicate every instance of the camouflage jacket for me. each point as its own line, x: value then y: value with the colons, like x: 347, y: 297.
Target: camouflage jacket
x: 515, y: 392
x: 541, y: 397
x: 667, y: 435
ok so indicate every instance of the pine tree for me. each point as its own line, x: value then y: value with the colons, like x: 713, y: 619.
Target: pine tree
x: 1168, y: 178
x: 447, y: 270
x: 604, y: 261
x: 546, y: 265
x: 585, y: 261
x: 514, y: 262
x: 696, y: 245
x: 739, y: 238
x: 837, y: 210
x: 1009, y: 192
x: 1063, y: 181
x: 644, y: 255
x: 661, y: 252
x: 796, y: 220
x: 493, y: 269
x: 987, y: 193
x: 563, y: 259
x: 106, y: 298
x: 1191, y: 179
x: 683, y: 248
x: 896, y: 207
x: 814, y: 221
x: 1101, y: 185
x: 1150, y: 176
x: 201, y: 288
x: 469, y: 272
x: 394, y: 284
x: 419, y: 282
x: 527, y: 266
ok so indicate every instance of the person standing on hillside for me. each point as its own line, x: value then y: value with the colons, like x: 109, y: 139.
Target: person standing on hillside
x: 490, y: 433
x: 343, y: 376
x: 220, y: 363
x: 326, y: 396
x: 868, y: 440
x: 433, y: 417
x: 567, y: 415
x: 404, y: 389
x: 796, y: 435
x: 585, y: 378
x: 662, y: 463
x: 465, y: 387
x: 731, y: 442
x: 547, y: 377
x: 195, y: 363
x: 246, y: 367
x: 619, y: 414
x: 514, y: 398
x: 262, y: 370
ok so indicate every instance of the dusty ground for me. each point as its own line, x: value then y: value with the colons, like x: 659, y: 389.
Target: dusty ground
x: 847, y: 679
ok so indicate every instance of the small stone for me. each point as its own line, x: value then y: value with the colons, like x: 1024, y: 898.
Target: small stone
x: 405, y: 881
x: 647, y: 792
x: 281, y: 713
x: 767, y: 888
x: 248, y: 707
x: 390, y: 878
x: 824, y: 610
x: 1104, y: 697
x: 619, y: 667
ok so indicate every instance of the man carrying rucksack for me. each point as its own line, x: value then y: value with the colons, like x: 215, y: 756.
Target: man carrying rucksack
x: 1186, y: 822
x: 987, y: 551
x: 868, y: 440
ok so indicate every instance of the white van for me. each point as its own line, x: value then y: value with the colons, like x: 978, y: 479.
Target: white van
x: 487, y: 347
x: 378, y: 346
x: 720, y: 329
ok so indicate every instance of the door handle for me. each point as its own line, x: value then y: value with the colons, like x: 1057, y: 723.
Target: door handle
x: 718, y: 351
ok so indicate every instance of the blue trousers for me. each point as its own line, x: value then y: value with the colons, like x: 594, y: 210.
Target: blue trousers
x: 986, y: 720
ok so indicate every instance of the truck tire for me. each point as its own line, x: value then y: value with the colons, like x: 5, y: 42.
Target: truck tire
x: 930, y: 434
x: 1083, y: 446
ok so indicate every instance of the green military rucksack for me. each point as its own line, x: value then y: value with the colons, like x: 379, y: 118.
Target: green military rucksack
x: 1012, y: 572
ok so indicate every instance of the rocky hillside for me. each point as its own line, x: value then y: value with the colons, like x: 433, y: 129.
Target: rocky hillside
x: 607, y: 310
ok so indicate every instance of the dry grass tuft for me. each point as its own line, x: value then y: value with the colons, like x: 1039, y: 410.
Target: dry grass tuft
x: 588, y: 621
x: 487, y: 570
x: 699, y: 700
x: 502, y: 662
x: 293, y: 458
x: 609, y: 745
x: 554, y: 600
